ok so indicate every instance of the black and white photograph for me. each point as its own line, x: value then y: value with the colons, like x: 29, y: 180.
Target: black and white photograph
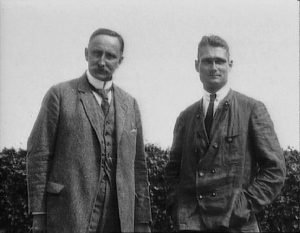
x: 149, y: 116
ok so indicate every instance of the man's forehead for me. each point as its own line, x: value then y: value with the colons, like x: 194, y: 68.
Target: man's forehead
x: 213, y: 52
x: 105, y: 40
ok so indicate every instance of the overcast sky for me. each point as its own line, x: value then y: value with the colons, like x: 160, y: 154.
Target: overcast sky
x: 42, y: 44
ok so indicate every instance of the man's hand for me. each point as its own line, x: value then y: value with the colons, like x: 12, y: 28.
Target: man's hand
x: 39, y: 223
x: 142, y: 227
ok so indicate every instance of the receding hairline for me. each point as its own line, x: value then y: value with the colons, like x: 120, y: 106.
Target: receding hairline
x: 108, y: 32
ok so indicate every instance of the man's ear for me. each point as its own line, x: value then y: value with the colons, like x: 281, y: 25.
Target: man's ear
x: 197, y: 65
x: 121, y: 60
x: 86, y: 52
x: 230, y: 63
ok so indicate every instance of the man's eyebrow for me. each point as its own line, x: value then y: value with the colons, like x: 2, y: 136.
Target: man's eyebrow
x: 213, y: 58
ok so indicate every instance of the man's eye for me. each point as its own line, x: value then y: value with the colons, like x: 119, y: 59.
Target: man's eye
x: 220, y: 62
x: 97, y: 54
x: 206, y: 62
x: 110, y: 56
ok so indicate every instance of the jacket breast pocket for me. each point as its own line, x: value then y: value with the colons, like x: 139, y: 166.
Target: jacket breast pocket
x: 132, y: 137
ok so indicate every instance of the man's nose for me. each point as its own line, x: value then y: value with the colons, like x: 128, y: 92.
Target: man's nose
x: 213, y: 66
x: 102, y: 60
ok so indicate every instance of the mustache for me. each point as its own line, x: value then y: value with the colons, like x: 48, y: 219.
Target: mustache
x: 214, y: 74
x: 103, y: 70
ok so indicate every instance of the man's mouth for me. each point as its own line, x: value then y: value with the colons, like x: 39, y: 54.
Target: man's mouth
x: 103, y: 72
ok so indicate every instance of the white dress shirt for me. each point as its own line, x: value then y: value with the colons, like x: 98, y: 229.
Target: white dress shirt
x: 220, y: 95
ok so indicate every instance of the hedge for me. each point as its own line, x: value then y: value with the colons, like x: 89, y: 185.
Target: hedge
x: 281, y: 216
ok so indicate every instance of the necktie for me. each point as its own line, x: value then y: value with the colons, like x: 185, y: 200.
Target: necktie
x: 210, y: 113
x: 104, y: 104
x: 104, y: 95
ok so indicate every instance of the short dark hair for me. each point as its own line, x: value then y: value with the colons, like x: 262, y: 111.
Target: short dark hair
x: 214, y: 41
x: 108, y: 32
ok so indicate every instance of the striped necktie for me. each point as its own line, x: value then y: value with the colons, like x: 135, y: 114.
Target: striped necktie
x: 104, y: 95
x: 104, y: 104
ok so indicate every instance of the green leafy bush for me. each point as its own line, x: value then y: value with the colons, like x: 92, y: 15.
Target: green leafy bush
x: 281, y: 216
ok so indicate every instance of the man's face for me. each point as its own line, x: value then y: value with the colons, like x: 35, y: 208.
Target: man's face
x: 103, y: 56
x: 213, y: 66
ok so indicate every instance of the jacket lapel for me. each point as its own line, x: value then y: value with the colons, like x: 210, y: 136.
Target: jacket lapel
x: 121, y: 110
x: 222, y: 114
x: 90, y: 105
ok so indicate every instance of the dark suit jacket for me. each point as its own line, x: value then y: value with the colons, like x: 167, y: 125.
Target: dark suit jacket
x: 226, y: 180
x: 63, y: 159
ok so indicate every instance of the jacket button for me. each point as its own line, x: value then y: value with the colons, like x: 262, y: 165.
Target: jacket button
x: 200, y: 197
x: 213, y: 171
x: 200, y: 174
x: 229, y: 139
x: 213, y: 194
x: 215, y: 145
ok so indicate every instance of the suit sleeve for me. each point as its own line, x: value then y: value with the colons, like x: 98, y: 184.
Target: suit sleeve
x: 40, y: 149
x: 142, y: 199
x: 172, y: 171
x: 269, y: 156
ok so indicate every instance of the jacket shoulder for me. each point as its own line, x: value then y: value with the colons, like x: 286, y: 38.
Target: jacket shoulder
x: 245, y: 100
x: 190, y: 110
x: 70, y: 84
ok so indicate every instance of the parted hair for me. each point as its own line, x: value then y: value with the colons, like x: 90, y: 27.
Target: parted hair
x: 108, y: 32
x: 214, y: 41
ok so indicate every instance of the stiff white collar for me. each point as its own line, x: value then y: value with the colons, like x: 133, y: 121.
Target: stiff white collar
x: 220, y: 94
x: 98, y: 84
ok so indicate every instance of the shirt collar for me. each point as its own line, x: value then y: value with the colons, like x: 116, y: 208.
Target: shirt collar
x: 98, y: 84
x: 220, y: 94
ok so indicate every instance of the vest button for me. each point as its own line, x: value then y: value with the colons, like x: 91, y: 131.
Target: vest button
x: 213, y: 194
x: 213, y: 170
x: 229, y: 139
x: 215, y: 145
x: 200, y: 174
x: 198, y: 115
x: 200, y: 197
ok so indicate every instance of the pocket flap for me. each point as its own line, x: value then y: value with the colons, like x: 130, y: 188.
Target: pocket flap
x: 54, y: 187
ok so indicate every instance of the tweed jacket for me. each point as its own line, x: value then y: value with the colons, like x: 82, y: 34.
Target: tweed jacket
x: 63, y: 161
x: 224, y: 181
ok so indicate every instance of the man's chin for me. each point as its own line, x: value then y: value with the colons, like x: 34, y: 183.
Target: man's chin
x: 103, y: 78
